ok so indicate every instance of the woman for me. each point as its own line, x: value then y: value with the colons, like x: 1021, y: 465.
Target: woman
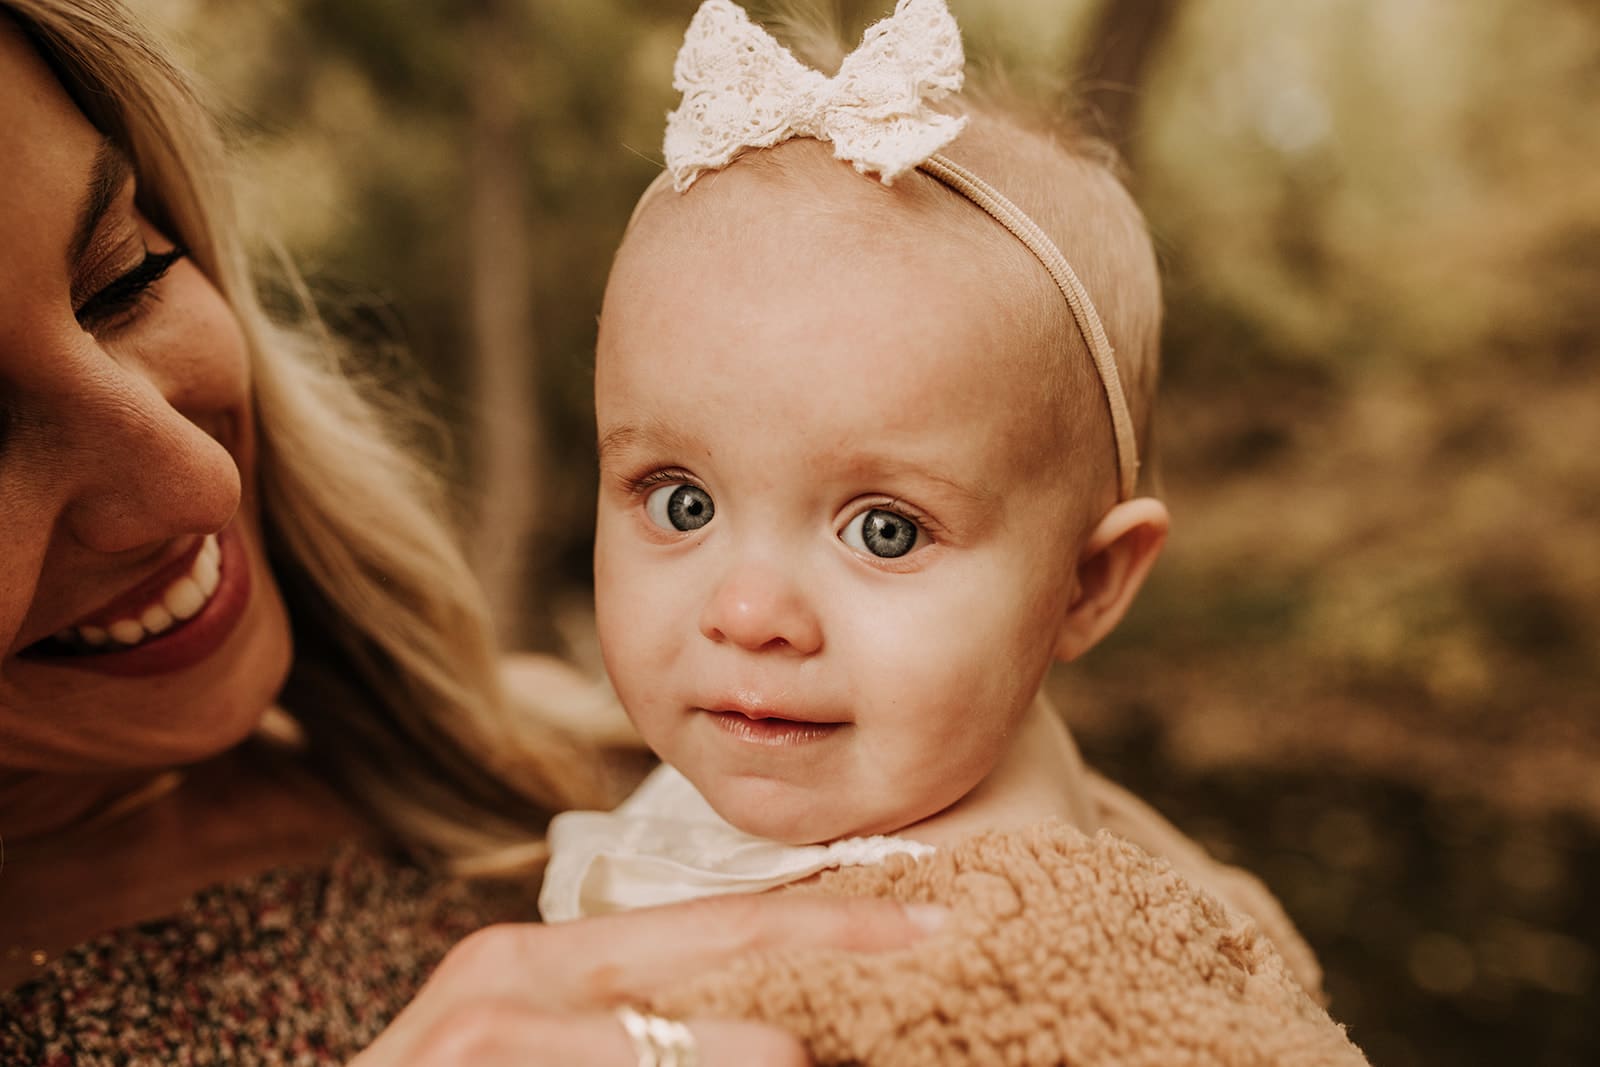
x: 204, y: 520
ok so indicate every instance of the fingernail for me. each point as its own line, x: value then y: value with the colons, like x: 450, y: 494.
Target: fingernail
x: 929, y: 918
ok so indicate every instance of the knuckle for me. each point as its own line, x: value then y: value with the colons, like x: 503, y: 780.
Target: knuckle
x: 469, y: 1033
x: 748, y: 920
x: 750, y: 923
x: 857, y: 923
x: 862, y: 924
x: 490, y: 950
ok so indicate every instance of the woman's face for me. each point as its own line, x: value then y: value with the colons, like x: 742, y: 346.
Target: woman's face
x: 139, y: 626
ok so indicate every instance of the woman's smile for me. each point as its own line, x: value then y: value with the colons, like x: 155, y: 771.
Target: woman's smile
x: 169, y: 620
x: 174, y: 593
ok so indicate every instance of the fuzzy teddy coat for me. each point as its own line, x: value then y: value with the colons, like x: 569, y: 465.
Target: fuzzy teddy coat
x: 1063, y: 949
x: 1069, y: 946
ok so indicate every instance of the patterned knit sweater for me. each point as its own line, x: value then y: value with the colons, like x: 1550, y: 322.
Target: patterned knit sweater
x: 298, y: 966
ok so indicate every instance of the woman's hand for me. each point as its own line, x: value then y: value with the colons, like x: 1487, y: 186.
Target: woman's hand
x: 530, y: 995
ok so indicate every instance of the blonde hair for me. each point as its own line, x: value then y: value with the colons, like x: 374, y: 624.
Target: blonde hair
x: 395, y: 683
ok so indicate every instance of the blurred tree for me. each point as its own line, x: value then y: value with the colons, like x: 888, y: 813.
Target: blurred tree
x: 509, y: 453
x: 1113, y: 60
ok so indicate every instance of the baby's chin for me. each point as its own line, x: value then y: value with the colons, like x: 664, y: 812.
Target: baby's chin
x: 795, y: 820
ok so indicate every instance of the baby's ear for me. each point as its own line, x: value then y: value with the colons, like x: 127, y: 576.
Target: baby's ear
x: 1117, y: 555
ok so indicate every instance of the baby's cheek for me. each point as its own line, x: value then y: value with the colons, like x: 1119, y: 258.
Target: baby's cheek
x: 977, y: 672
x: 640, y: 622
x: 612, y: 577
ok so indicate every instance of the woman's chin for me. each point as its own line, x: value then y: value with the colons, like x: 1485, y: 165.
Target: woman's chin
x: 156, y: 707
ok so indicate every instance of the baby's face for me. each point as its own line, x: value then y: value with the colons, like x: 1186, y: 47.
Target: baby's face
x: 833, y: 555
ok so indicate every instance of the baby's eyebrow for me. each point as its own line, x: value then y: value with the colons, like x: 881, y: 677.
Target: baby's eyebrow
x: 618, y: 439
x: 971, y: 495
x: 108, y: 173
x: 892, y: 468
x: 629, y: 435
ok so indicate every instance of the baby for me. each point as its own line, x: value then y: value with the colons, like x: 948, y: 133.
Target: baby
x: 867, y: 466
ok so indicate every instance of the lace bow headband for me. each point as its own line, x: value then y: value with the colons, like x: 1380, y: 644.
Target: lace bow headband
x: 743, y: 90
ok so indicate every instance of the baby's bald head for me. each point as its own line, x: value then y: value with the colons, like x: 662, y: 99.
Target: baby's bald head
x: 827, y: 210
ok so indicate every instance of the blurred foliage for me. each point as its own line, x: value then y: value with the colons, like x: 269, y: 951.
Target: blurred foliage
x: 1367, y: 665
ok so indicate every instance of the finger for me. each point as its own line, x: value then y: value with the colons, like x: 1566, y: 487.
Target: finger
x: 625, y: 958
x: 724, y: 1043
x: 634, y: 954
x: 496, y: 1032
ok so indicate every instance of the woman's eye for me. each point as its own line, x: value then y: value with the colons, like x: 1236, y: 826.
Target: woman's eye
x: 885, y: 534
x: 679, y: 506
x: 126, y: 292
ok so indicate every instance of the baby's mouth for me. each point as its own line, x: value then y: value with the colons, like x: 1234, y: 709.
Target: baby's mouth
x: 764, y: 729
x: 146, y: 613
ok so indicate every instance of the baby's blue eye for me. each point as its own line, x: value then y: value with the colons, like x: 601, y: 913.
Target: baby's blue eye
x: 885, y: 534
x: 679, y: 506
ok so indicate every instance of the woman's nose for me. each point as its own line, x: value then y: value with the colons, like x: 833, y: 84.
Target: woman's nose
x: 142, y: 471
x: 757, y: 606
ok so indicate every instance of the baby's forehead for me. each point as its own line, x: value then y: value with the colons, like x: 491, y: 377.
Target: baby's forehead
x: 868, y: 345
x: 793, y: 234
x: 820, y: 205
x: 794, y: 225
x: 835, y: 251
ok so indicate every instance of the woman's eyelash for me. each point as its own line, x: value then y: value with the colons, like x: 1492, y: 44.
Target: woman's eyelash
x: 124, y: 293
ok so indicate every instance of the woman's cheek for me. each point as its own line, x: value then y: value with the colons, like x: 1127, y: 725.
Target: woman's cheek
x: 202, y: 351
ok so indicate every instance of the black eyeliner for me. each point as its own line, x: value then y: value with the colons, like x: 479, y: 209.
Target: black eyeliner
x: 124, y: 292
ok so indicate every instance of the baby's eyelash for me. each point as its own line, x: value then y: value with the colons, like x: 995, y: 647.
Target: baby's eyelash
x: 124, y: 293
x: 925, y: 522
x: 636, y: 485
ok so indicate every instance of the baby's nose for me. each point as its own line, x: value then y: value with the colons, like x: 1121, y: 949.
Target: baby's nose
x: 759, y: 606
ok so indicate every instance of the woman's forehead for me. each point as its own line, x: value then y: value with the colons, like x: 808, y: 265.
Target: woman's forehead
x: 47, y: 148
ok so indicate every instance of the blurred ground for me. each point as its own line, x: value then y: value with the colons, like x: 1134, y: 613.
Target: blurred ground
x: 1451, y: 931
x: 1366, y: 667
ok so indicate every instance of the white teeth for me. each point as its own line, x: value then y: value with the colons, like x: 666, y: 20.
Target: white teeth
x: 207, y: 573
x: 127, y: 632
x: 184, y: 598
x: 181, y: 600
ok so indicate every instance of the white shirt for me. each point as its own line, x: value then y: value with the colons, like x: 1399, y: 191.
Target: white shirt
x: 665, y: 844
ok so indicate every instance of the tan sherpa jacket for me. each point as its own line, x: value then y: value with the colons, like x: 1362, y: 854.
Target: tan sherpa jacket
x: 1063, y: 949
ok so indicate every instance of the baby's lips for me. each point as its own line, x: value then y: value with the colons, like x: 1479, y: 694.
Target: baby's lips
x: 756, y: 711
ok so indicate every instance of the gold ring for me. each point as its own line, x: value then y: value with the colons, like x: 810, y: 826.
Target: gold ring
x: 659, y: 1042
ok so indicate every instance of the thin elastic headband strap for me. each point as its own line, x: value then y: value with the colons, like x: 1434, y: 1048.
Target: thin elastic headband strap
x: 1013, y: 218
x: 1028, y: 232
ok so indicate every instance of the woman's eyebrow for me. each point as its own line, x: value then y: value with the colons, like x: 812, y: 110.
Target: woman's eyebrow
x: 107, y: 175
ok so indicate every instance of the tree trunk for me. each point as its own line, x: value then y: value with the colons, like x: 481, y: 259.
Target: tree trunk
x: 508, y: 449
x: 1115, y: 61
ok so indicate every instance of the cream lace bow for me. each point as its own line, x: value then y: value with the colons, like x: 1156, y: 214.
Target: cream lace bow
x: 742, y: 89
